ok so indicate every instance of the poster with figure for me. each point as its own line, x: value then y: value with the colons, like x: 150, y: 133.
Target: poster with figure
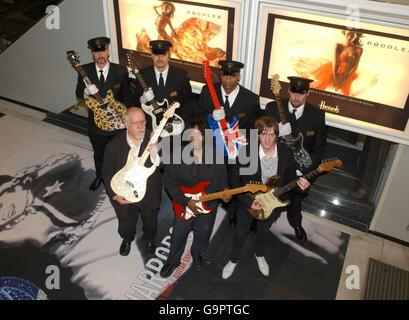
x: 356, y: 73
x: 197, y: 31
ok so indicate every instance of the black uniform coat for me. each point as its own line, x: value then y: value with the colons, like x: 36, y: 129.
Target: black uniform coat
x: 177, y: 88
x: 246, y: 106
x: 115, y: 157
x: 311, y: 124
x: 286, y: 171
x: 117, y: 80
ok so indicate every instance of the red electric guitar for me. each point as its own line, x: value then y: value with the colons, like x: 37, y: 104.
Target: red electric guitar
x: 198, y: 193
x: 228, y: 136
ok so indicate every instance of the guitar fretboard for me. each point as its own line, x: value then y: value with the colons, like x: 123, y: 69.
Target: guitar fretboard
x: 83, y: 74
x: 220, y: 194
x: 279, y: 192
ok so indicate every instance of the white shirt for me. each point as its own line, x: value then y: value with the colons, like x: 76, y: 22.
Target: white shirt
x: 156, y: 162
x: 298, y: 111
x: 261, y: 153
x: 105, y: 71
x: 269, y: 166
x: 164, y: 75
x: 232, y: 96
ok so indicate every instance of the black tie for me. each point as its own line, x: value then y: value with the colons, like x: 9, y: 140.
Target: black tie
x: 226, y: 103
x: 161, y: 82
x: 102, y: 79
x: 293, y: 121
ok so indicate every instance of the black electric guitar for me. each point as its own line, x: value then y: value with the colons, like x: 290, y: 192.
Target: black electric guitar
x: 108, y: 113
x: 176, y: 124
x: 301, y: 156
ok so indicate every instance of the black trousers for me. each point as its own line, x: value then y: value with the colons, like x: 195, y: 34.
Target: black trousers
x: 98, y: 143
x: 128, y: 217
x: 244, y: 221
x: 294, y: 216
x: 202, y: 226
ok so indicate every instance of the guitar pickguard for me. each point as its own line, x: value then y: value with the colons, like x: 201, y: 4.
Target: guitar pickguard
x: 174, y: 126
x: 270, y: 203
x: 301, y: 156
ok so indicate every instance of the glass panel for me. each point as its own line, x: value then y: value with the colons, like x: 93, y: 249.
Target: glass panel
x: 346, y: 194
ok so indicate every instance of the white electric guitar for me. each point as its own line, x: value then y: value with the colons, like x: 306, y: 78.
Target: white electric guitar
x: 130, y: 181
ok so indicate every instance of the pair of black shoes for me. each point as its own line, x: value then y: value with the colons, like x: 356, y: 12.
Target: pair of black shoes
x: 95, y: 184
x: 300, y: 233
x: 168, y: 269
x: 126, y: 247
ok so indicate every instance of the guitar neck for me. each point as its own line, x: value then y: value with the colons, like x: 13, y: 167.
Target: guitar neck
x: 144, y: 86
x: 153, y: 139
x: 220, y: 194
x: 215, y: 101
x: 84, y: 76
x: 279, y: 192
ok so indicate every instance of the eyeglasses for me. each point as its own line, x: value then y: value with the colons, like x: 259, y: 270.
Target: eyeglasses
x: 137, y: 123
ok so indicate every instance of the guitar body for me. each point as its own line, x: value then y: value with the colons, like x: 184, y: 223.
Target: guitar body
x: 301, y: 156
x: 230, y: 151
x: 194, y: 193
x: 270, y: 202
x: 173, y: 127
x: 130, y: 181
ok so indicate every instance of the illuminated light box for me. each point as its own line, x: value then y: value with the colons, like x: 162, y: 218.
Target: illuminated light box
x: 198, y: 31
x: 358, y: 73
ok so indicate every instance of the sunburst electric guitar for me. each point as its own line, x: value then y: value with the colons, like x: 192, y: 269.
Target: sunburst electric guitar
x: 198, y: 193
x: 270, y: 199
x: 130, y: 181
x: 155, y: 110
x: 108, y: 113
x: 296, y: 144
x: 228, y: 137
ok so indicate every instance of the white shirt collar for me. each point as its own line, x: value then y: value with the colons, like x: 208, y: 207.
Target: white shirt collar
x: 232, y: 96
x: 104, y: 69
x: 164, y: 74
x: 261, y: 153
x: 298, y: 111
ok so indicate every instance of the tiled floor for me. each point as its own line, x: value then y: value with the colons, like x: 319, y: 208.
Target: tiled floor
x: 361, y: 247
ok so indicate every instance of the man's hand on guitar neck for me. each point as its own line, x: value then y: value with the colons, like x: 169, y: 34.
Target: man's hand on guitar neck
x: 90, y: 89
x: 218, y: 114
x: 284, y: 129
x: 147, y: 96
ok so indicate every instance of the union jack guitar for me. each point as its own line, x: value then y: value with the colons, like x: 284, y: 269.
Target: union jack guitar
x: 228, y: 136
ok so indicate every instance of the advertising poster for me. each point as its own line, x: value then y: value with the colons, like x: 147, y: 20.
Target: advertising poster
x: 358, y: 73
x: 197, y: 31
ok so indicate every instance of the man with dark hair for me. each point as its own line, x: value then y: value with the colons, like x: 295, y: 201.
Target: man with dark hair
x: 165, y: 82
x: 104, y: 75
x: 310, y: 121
x: 273, y: 159
x: 115, y: 158
x: 189, y: 175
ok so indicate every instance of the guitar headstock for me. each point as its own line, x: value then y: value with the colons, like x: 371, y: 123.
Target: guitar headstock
x: 132, y: 64
x: 73, y: 58
x: 169, y: 113
x: 255, y: 187
x: 207, y: 73
x: 328, y: 164
x: 275, y: 85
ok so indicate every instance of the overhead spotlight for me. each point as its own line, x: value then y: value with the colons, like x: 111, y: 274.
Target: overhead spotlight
x: 323, y: 213
x: 336, y: 202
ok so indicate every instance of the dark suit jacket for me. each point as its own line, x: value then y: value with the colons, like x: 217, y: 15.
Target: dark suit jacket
x: 115, y: 157
x: 286, y: 172
x: 177, y: 88
x: 117, y: 80
x: 311, y: 124
x: 246, y: 106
